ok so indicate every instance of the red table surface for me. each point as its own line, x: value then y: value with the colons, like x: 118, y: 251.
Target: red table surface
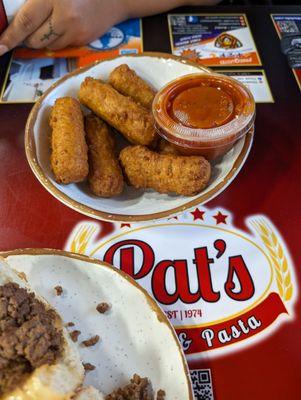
x: 269, y: 183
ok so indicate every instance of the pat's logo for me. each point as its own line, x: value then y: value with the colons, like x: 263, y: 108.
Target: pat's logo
x: 218, y: 285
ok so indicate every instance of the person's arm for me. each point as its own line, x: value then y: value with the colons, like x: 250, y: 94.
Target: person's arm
x: 145, y: 8
x: 56, y: 24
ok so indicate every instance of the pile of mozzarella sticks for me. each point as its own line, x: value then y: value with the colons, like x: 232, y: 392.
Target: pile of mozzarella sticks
x: 83, y: 147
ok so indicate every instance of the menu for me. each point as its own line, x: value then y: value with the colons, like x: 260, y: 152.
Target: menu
x: 297, y: 73
x: 256, y: 80
x: 32, y: 72
x: 213, y: 39
x: 288, y: 24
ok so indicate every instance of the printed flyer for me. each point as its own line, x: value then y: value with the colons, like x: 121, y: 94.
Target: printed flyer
x: 219, y: 299
x: 213, y: 39
x: 32, y: 72
x: 256, y: 81
x: 288, y: 24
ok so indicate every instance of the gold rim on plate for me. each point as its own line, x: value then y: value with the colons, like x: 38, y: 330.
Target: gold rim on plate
x: 153, y: 304
x: 31, y: 154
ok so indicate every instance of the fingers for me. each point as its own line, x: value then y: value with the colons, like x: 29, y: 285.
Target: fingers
x: 48, y: 33
x: 30, y: 17
x: 59, y: 31
x: 64, y: 41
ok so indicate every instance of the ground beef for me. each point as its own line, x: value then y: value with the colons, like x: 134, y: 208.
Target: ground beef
x: 161, y: 395
x: 74, y: 335
x: 103, y: 308
x: 91, y: 342
x: 28, y: 337
x: 138, y: 389
x: 88, y: 367
x: 59, y: 290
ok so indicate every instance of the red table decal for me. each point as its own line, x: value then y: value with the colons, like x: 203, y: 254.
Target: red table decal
x: 221, y: 288
x: 196, y: 340
x: 3, y: 18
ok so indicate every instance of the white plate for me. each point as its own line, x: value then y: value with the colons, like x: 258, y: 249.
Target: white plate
x: 132, y: 205
x: 136, y: 337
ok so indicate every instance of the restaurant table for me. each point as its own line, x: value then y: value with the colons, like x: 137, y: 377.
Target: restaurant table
x: 269, y: 184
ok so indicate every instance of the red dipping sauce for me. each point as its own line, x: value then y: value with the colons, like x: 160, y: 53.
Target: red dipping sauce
x: 204, y: 114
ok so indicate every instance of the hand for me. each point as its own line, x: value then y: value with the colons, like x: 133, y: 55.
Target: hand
x: 56, y: 24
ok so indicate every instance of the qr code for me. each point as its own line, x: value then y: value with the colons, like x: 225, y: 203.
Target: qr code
x: 288, y: 27
x: 202, y: 384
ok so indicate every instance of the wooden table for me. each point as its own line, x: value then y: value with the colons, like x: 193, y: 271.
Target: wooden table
x: 269, y: 184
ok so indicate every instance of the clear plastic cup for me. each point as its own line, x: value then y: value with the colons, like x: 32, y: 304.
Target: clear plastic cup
x: 204, y: 114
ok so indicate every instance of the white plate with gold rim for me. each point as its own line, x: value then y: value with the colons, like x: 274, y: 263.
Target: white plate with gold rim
x: 133, y: 205
x: 136, y: 336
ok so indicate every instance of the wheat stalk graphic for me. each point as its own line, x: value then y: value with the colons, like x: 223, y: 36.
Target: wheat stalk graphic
x: 277, y: 256
x: 82, y: 238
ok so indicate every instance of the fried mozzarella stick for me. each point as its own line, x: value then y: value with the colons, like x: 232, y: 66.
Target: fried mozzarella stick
x: 127, y: 82
x: 164, y: 147
x: 165, y: 173
x: 129, y: 118
x: 105, y: 176
x: 69, y: 151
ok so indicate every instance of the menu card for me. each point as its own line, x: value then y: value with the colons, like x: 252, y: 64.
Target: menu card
x: 32, y: 72
x: 289, y: 24
x: 213, y: 39
x: 256, y: 80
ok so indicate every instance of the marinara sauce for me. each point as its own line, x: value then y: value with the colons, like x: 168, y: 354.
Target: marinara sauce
x: 204, y: 114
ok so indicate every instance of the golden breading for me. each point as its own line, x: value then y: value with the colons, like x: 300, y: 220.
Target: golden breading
x: 69, y: 151
x: 184, y: 175
x: 129, y: 118
x: 127, y: 82
x: 164, y: 147
x: 105, y: 176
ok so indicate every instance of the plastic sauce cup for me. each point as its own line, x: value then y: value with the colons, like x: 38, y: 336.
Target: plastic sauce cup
x: 204, y: 114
